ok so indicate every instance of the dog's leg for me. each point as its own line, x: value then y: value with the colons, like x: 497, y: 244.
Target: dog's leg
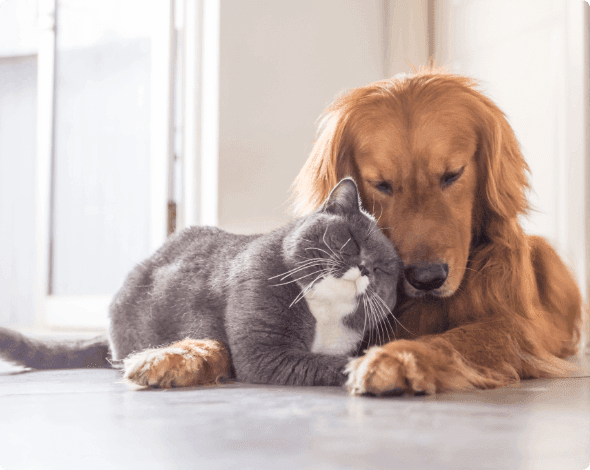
x: 482, y: 355
x: 186, y: 363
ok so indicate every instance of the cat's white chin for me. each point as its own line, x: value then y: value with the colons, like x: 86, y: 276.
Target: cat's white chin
x: 361, y: 285
x: 360, y: 282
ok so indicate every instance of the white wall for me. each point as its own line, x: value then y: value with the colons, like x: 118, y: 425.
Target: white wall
x: 18, y: 98
x: 18, y: 27
x: 281, y: 64
x: 18, y: 101
x: 407, y: 34
x: 529, y: 55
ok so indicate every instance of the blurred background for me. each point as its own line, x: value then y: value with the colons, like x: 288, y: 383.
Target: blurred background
x: 124, y: 120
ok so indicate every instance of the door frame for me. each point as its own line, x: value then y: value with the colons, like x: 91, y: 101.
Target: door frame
x: 91, y: 311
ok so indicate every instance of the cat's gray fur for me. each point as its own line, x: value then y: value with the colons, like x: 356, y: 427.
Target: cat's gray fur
x: 205, y: 283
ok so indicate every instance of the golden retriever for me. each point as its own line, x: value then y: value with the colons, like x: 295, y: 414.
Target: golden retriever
x: 482, y: 304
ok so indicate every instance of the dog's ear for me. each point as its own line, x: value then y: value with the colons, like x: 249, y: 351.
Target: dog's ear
x: 330, y: 161
x: 503, y: 170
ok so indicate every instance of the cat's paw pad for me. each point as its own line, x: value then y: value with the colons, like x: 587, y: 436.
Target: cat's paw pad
x: 183, y: 364
x: 386, y: 371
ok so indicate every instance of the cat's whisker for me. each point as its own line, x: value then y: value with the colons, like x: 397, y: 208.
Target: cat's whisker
x: 299, y: 278
x: 401, y: 324
x: 325, y: 243
x: 381, y: 214
x: 332, y: 262
x: 330, y: 256
x: 331, y: 259
x: 374, y: 312
x: 309, y: 260
x: 372, y: 230
x: 374, y: 322
x: 337, y: 269
x: 305, y: 291
x: 300, y: 295
x: 296, y: 270
x: 328, y: 263
x: 336, y: 255
x: 383, y: 307
x: 394, y: 317
x: 360, y: 298
x: 384, y: 313
x: 388, y: 320
x: 376, y: 226
x: 342, y: 247
x: 370, y: 316
x: 367, y: 317
x: 311, y: 263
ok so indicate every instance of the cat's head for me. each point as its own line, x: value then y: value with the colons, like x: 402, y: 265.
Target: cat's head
x: 343, y: 241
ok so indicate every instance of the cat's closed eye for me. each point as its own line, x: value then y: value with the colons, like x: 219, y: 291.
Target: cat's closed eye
x: 388, y: 271
x: 350, y: 247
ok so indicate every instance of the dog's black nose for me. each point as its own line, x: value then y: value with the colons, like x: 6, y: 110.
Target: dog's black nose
x: 426, y: 276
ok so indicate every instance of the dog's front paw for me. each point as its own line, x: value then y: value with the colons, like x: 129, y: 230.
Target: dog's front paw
x: 393, y: 369
x: 184, y: 364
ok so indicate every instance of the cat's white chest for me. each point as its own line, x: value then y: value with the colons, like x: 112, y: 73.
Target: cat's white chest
x: 329, y: 301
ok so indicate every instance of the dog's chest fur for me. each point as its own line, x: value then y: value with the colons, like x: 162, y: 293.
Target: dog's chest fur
x: 330, y: 301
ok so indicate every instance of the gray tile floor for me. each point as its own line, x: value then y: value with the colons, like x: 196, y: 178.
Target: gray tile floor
x: 86, y: 419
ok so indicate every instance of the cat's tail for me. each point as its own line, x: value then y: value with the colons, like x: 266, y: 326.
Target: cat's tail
x: 50, y: 354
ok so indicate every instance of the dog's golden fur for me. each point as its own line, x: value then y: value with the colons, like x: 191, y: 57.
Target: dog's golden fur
x: 440, y: 167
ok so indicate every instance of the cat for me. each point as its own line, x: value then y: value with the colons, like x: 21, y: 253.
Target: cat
x: 289, y: 307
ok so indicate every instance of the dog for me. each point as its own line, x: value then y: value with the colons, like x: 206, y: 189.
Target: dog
x: 482, y: 304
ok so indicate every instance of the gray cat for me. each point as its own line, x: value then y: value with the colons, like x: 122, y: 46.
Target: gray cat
x: 288, y: 307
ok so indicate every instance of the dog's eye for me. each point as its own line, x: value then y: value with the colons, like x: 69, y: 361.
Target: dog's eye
x: 451, y: 176
x: 384, y: 187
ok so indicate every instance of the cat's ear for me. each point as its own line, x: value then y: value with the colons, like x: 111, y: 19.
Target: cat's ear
x: 344, y: 198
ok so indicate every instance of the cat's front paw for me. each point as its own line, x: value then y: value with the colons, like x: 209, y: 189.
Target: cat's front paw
x: 183, y: 364
x: 393, y: 369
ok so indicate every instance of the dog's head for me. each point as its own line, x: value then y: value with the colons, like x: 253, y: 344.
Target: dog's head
x: 437, y: 164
